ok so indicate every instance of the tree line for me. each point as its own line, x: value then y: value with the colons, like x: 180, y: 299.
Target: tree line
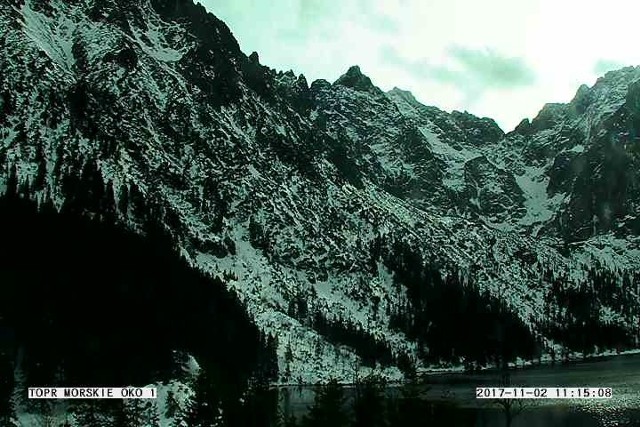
x: 84, y: 302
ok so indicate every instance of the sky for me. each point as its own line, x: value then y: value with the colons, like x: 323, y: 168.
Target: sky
x: 502, y: 59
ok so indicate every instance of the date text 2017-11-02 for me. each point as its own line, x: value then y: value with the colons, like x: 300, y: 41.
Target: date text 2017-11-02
x: 544, y: 392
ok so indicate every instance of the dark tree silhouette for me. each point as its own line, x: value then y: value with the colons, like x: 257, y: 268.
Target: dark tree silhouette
x: 112, y: 308
x: 369, y: 409
x: 456, y: 319
x: 203, y: 408
x: 6, y: 383
x: 510, y: 407
x: 329, y: 407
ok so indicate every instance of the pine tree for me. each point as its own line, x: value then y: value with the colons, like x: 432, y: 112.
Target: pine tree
x: 259, y: 408
x: 87, y: 415
x: 150, y: 413
x: 288, y: 358
x: 203, y: 410
x: 6, y: 389
x: 12, y: 182
x: 273, y: 360
x: 171, y: 405
x: 369, y: 407
x: 406, y: 410
x: 329, y: 407
x: 133, y: 414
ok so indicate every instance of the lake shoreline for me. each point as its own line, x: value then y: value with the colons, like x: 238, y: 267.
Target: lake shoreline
x: 444, y: 373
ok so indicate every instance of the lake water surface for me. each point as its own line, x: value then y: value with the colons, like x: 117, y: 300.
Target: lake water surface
x: 621, y: 373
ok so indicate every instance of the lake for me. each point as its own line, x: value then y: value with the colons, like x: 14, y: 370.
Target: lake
x: 621, y: 373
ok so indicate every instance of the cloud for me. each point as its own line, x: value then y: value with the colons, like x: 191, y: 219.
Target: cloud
x: 311, y: 11
x: 323, y: 15
x: 492, y: 69
x: 483, y: 67
x: 471, y: 72
x: 603, y: 65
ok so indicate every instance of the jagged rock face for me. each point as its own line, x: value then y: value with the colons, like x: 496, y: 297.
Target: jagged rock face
x: 354, y: 79
x: 321, y: 205
x: 479, y: 131
x: 587, y: 151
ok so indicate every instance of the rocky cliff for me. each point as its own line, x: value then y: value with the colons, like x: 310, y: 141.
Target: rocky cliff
x: 359, y: 227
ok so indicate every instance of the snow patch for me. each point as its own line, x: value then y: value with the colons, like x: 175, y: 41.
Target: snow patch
x: 53, y: 35
x: 158, y: 47
x: 454, y: 158
x: 540, y: 207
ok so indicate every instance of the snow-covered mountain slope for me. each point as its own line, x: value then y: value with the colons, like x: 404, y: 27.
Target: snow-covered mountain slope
x: 358, y: 226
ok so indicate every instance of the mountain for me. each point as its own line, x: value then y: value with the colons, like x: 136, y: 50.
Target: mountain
x: 357, y: 227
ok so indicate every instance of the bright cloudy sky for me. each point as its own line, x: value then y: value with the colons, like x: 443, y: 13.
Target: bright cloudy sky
x: 497, y: 58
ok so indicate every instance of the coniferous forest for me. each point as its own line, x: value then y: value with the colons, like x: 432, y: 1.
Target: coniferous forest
x: 177, y: 214
x: 83, y: 303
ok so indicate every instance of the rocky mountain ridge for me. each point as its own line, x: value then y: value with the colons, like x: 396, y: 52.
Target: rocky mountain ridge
x: 328, y: 207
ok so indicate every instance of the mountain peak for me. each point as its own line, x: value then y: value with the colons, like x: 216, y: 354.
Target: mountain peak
x: 402, y: 94
x: 355, y: 79
x: 215, y: 140
x: 617, y: 81
x: 354, y: 71
x: 582, y: 99
x: 629, y: 72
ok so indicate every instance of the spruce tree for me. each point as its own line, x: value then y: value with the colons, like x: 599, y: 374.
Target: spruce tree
x: 407, y: 409
x: 369, y: 405
x: 172, y: 408
x: 258, y: 408
x: 328, y: 408
x: 7, y: 384
x: 203, y: 408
